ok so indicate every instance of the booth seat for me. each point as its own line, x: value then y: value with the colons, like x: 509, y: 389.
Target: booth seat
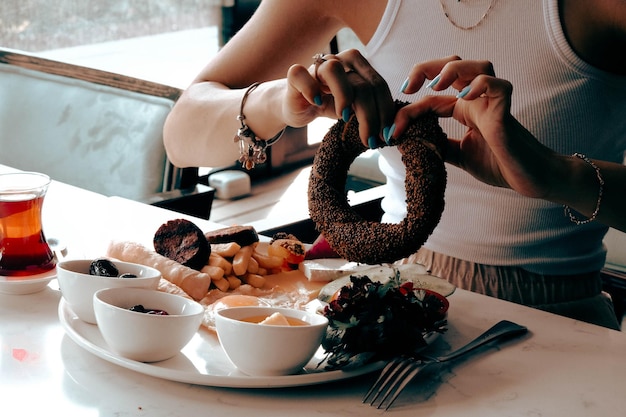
x: 93, y: 129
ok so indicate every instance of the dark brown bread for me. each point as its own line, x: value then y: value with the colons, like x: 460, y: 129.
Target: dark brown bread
x: 182, y: 241
x: 242, y: 235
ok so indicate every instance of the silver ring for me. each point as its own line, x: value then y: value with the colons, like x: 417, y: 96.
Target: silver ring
x: 318, y: 59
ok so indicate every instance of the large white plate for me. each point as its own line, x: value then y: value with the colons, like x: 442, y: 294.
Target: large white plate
x: 408, y: 272
x: 26, y: 285
x: 201, y: 362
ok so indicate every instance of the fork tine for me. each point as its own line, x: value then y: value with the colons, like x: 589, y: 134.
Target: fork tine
x: 390, y: 380
x: 399, y: 372
x: 385, y: 375
x: 415, y: 368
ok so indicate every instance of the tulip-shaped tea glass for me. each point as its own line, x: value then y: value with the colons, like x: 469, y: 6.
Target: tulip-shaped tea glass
x: 23, y: 247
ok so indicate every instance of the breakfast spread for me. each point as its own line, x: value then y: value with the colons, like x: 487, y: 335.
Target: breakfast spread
x: 239, y: 270
x: 355, y: 239
x: 372, y: 313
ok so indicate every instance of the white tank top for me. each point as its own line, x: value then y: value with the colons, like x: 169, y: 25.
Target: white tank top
x: 567, y: 104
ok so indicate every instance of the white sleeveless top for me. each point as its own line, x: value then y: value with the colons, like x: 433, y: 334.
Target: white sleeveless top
x: 567, y: 104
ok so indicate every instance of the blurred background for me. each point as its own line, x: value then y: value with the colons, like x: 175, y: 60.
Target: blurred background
x: 166, y: 41
x: 39, y: 25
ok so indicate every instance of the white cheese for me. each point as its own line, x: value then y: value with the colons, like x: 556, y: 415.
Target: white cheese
x: 329, y: 269
x: 276, y: 319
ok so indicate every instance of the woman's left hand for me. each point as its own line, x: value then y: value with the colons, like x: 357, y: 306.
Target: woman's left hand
x: 496, y: 148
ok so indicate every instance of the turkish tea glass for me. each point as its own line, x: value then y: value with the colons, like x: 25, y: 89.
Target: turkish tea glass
x: 24, y: 250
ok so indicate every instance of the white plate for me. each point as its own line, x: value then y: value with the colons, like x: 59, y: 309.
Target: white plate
x: 26, y: 285
x: 408, y: 272
x: 201, y: 362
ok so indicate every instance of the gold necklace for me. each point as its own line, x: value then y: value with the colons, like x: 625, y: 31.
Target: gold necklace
x: 446, y: 12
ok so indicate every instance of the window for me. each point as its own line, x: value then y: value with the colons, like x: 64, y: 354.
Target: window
x: 166, y: 41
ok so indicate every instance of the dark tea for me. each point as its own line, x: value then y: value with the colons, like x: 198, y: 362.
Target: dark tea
x: 23, y: 247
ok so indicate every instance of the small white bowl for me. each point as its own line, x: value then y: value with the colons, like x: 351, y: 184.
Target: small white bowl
x: 146, y: 337
x: 78, y: 287
x: 269, y: 350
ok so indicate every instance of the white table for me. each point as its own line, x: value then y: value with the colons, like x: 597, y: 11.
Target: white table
x: 562, y: 368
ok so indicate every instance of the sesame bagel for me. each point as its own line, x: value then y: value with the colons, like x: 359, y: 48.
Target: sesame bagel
x: 422, y: 148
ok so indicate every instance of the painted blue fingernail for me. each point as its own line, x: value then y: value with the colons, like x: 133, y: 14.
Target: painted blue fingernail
x: 386, y: 134
x: 317, y: 100
x: 372, y: 143
x: 390, y: 133
x: 345, y: 114
x: 405, y: 84
x: 434, y: 81
x: 464, y: 92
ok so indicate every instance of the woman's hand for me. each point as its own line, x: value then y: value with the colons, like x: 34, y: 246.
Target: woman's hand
x: 337, y: 87
x: 496, y: 148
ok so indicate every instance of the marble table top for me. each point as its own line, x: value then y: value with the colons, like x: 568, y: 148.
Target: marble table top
x: 562, y: 367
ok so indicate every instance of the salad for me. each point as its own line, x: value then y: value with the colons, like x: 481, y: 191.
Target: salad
x: 371, y: 320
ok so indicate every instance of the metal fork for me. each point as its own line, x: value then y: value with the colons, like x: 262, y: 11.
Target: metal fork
x: 396, y: 375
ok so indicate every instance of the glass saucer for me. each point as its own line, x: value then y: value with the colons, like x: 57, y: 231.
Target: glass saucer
x: 27, y: 284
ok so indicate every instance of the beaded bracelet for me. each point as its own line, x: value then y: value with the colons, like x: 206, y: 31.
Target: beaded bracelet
x: 252, y: 148
x: 594, y: 215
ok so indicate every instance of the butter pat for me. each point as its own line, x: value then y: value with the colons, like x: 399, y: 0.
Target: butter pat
x: 276, y: 319
x: 329, y: 269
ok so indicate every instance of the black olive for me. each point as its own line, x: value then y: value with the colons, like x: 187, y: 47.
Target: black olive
x: 128, y: 275
x: 103, y: 268
x: 141, y: 309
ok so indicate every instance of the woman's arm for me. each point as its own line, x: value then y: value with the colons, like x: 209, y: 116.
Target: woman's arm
x: 201, y: 127
x: 498, y: 150
x: 279, y: 41
x: 582, y: 186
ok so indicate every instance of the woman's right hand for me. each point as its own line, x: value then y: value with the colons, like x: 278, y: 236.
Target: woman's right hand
x: 340, y: 86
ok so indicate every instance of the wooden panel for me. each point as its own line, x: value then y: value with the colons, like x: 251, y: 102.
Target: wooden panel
x: 89, y: 74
